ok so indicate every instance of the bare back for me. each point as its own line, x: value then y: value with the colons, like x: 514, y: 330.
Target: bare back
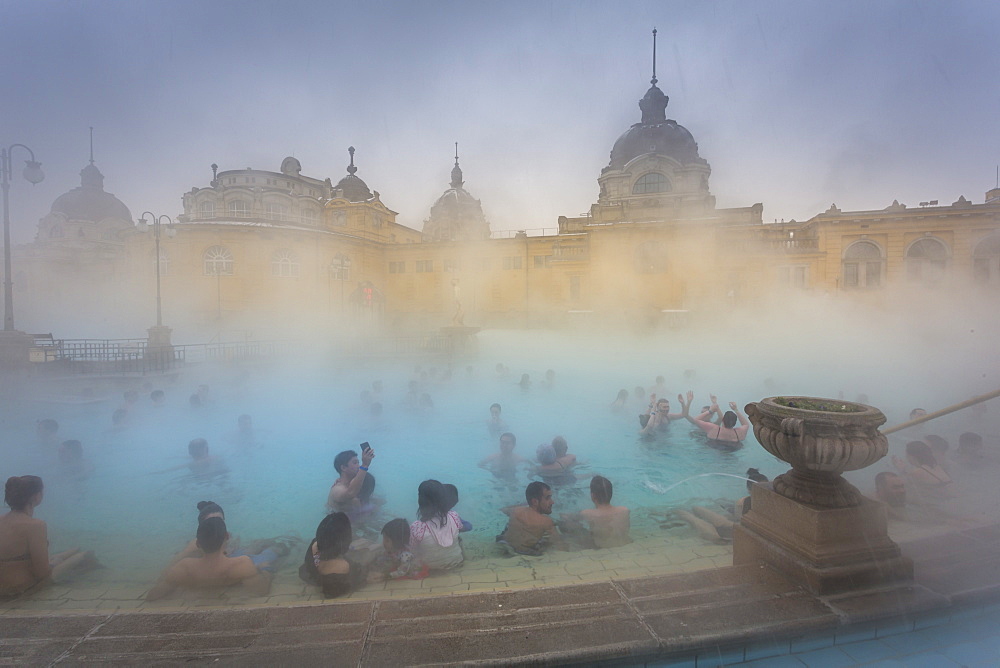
x: 609, y: 525
x: 24, y: 552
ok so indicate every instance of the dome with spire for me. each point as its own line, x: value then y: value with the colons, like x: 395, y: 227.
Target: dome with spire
x: 90, y: 202
x: 655, y: 133
x: 456, y: 215
x: 351, y: 187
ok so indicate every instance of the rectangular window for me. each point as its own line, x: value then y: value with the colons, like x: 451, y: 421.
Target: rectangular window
x: 451, y: 265
x: 512, y: 262
x: 542, y: 261
x: 397, y: 267
x: 425, y: 266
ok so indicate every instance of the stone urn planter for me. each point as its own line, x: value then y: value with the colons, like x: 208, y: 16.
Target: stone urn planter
x: 820, y: 438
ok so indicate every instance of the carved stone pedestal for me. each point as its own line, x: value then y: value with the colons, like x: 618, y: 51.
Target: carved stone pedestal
x: 827, y: 550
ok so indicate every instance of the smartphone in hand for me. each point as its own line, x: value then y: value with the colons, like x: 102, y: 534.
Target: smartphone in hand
x: 365, y: 447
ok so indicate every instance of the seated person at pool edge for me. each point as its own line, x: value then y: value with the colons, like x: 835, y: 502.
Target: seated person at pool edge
x: 215, y: 569
x: 530, y: 529
x: 347, y: 491
x: 609, y: 525
x: 24, y: 545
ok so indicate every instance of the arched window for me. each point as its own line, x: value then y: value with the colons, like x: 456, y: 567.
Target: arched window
x: 285, y: 263
x: 986, y: 261
x: 651, y: 257
x: 275, y: 211
x: 862, y: 266
x: 218, y: 261
x: 56, y: 232
x: 239, y: 208
x: 654, y: 182
x: 926, y: 260
x: 207, y: 209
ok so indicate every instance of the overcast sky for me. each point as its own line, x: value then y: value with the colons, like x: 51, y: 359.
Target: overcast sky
x: 794, y: 104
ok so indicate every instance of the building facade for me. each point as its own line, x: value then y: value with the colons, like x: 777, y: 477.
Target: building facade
x: 277, y: 254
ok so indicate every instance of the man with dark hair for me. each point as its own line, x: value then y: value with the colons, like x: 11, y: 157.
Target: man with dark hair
x: 215, y: 569
x: 504, y: 464
x: 530, y: 529
x: 347, y: 490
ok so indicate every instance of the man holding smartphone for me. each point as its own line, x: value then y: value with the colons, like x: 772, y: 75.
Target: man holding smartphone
x: 347, y: 490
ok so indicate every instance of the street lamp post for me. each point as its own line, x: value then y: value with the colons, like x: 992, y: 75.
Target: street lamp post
x: 33, y: 173
x: 158, y: 344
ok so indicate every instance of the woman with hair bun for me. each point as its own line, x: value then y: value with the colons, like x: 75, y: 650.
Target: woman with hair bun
x: 24, y: 543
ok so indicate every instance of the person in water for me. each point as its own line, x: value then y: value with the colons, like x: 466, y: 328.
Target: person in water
x: 348, y: 492
x: 215, y: 568
x: 609, y: 525
x: 658, y: 418
x: 504, y: 464
x: 530, y: 529
x: 550, y: 469
x: 496, y: 424
x: 24, y: 544
x: 727, y: 435
x: 925, y: 476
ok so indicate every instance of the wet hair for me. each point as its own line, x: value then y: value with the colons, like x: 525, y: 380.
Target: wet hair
x: 755, y: 477
x: 534, y: 490
x: 206, y: 508
x: 917, y: 412
x: 601, y: 489
x: 212, y: 534
x: 367, y: 488
x: 333, y: 536
x: 508, y: 435
x: 18, y: 491
x: 431, y: 502
x: 546, y: 454
x: 48, y: 425
x: 343, y: 459
x: 198, y: 447
x: 622, y: 394
x: 195, y: 401
x: 921, y: 453
x: 71, y: 450
x: 938, y: 443
x: 660, y: 380
x: 560, y: 446
x: 969, y: 441
x: 398, y: 533
x: 729, y: 419
x: 496, y: 406
x: 450, y: 496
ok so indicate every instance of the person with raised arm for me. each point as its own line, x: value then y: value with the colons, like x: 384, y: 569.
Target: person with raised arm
x: 658, y: 418
x: 348, y: 493
x: 724, y: 436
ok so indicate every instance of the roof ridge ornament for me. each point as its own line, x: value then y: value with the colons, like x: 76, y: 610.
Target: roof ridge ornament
x: 456, y: 172
x: 653, y: 80
x: 351, y: 169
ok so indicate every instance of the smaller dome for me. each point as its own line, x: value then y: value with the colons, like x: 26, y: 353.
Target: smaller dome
x: 353, y: 188
x: 291, y: 166
x: 90, y: 201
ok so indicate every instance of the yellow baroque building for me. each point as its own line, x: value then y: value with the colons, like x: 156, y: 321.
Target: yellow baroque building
x: 262, y: 254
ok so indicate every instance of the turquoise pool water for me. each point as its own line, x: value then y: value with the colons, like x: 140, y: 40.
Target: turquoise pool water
x: 306, y: 412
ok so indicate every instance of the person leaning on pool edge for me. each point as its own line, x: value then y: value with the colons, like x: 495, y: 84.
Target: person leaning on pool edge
x: 349, y: 492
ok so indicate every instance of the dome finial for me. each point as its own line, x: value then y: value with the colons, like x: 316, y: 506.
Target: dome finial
x: 351, y: 169
x: 653, y: 80
x: 91, y: 144
x: 456, y: 172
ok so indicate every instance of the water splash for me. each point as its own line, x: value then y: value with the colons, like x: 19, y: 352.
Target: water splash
x: 663, y: 490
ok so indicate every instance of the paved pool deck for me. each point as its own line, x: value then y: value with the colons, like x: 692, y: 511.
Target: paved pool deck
x: 704, y: 616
